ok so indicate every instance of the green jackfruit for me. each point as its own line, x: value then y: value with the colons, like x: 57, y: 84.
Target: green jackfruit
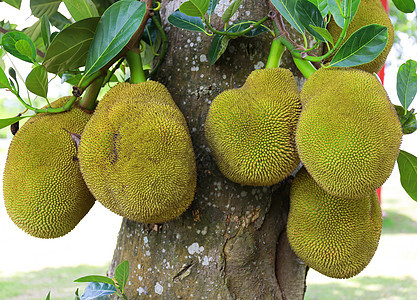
x: 250, y: 130
x: 336, y: 237
x: 44, y: 192
x: 136, y: 154
x: 369, y: 12
x: 348, y: 135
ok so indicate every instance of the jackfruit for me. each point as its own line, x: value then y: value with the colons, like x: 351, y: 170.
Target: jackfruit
x: 44, y: 192
x: 348, y: 135
x: 250, y: 130
x: 136, y: 154
x: 369, y: 12
x: 336, y: 237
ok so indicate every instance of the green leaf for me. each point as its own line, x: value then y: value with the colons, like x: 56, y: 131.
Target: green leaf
x: 406, y: 6
x: 324, y: 33
x: 48, y: 297
x: 69, y: 49
x: 183, y: 21
x: 217, y: 47
x: 37, y: 81
x: 14, y: 3
x: 195, y: 8
x: 34, y: 33
x: 95, y: 290
x: 407, y: 119
x: 116, y: 27
x: 45, y: 31
x: 347, y: 7
x: 407, y: 163
x: 10, y: 121
x: 322, y: 6
x: 9, y: 43
x: 309, y: 15
x: 24, y: 48
x: 44, y: 7
x: 407, y: 83
x: 212, y: 6
x: 4, y: 82
x: 243, y: 25
x: 71, y: 78
x: 287, y: 9
x: 81, y: 9
x: 121, y: 275
x: 96, y: 278
x: 363, y: 46
x: 231, y: 10
x: 59, y: 21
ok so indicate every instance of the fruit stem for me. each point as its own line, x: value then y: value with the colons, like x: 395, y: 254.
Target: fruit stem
x: 275, y: 54
x: 305, y: 67
x: 135, y: 65
x: 89, y: 101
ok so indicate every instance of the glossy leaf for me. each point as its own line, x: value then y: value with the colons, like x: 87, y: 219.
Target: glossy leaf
x: 4, y: 82
x: 96, y: 278
x: 309, y: 15
x: 363, y: 46
x: 14, y: 3
x: 45, y: 31
x: 287, y: 9
x: 407, y: 164
x: 217, y: 47
x: 195, y: 8
x: 243, y: 25
x: 407, y: 119
x: 10, y: 121
x: 24, y: 48
x: 212, y: 6
x: 348, y: 7
x: 37, y: 81
x: 150, y: 32
x: 95, y: 290
x: 231, y: 10
x: 322, y: 6
x: 9, y: 43
x: 183, y: 21
x: 324, y: 33
x: 70, y: 78
x: 81, y: 9
x: 121, y: 275
x: 44, y: 7
x: 407, y: 83
x: 116, y: 27
x: 406, y: 6
x: 69, y: 49
x: 58, y: 20
x: 34, y: 33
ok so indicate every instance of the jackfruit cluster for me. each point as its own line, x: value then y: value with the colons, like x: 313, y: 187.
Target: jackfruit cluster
x: 136, y: 154
x: 250, y: 130
x: 369, y: 12
x: 335, y: 236
x: 348, y: 135
x: 44, y: 192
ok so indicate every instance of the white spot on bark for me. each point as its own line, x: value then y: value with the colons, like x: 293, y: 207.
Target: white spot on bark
x: 259, y: 65
x: 203, y: 58
x: 243, y: 193
x: 195, y: 69
x: 139, y: 266
x: 205, y: 261
x: 141, y: 290
x: 195, y: 248
x: 159, y: 289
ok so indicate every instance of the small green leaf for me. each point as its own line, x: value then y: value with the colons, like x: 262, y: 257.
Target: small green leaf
x: 348, y: 7
x: 59, y: 21
x: 95, y: 290
x: 116, y: 27
x: 45, y: 31
x: 4, y: 82
x: 48, y: 297
x: 407, y: 119
x: 322, y: 6
x: 212, y: 6
x: 243, y: 25
x: 406, y: 6
x: 14, y: 3
x: 37, y: 81
x: 10, y: 121
x: 44, y: 7
x: 69, y: 49
x: 96, y: 278
x: 407, y: 164
x: 217, y: 47
x: 324, y: 33
x: 24, y: 48
x: 309, y: 15
x: 183, y: 21
x: 231, y: 10
x: 121, y: 275
x: 195, y: 8
x: 363, y: 46
x: 9, y: 43
x: 407, y: 83
x: 287, y: 9
x: 81, y: 9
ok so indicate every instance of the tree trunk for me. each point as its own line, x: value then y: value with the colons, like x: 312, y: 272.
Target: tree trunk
x: 231, y: 243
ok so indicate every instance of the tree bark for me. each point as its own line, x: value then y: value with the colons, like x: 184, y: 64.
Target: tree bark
x: 231, y: 243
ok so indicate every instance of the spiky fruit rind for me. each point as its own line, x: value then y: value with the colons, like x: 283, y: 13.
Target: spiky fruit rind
x: 250, y: 130
x: 348, y: 135
x: 335, y: 236
x: 136, y: 154
x: 369, y: 12
x: 44, y: 192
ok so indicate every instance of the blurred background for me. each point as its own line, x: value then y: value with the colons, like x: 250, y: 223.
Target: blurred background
x: 31, y: 267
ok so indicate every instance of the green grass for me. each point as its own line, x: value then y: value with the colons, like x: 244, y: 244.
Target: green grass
x: 36, y: 285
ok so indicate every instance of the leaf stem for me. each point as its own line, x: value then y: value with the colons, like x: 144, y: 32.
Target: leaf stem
x: 238, y: 33
x: 135, y: 65
x: 275, y: 54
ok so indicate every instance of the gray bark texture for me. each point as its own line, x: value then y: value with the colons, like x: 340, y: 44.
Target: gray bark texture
x: 231, y: 243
